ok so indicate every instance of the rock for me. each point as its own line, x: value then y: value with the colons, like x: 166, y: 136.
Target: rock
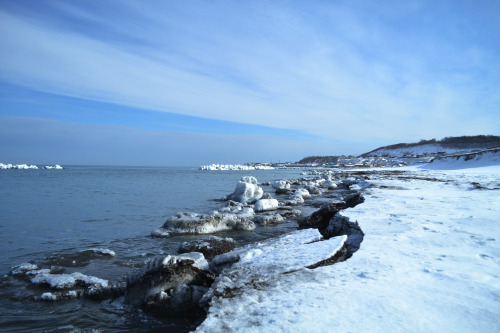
x: 281, y: 186
x: 289, y: 212
x: 169, y: 286
x: 340, y: 225
x: 268, y: 219
x: 267, y: 196
x: 320, y: 219
x: 192, y: 223
x: 209, y: 246
x: 246, y: 191
x: 266, y: 205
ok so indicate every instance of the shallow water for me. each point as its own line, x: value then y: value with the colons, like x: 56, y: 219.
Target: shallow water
x: 48, y: 216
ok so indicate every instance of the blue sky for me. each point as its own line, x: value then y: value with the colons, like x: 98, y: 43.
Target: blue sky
x: 195, y: 82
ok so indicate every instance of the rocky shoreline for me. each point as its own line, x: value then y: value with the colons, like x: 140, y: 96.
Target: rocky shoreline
x: 213, y: 267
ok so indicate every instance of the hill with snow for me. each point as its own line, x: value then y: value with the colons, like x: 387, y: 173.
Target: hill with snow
x: 450, y: 145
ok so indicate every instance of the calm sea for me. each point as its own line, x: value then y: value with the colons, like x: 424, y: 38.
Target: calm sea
x: 48, y: 216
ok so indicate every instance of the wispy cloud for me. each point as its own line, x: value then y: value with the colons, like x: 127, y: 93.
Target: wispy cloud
x: 358, y: 69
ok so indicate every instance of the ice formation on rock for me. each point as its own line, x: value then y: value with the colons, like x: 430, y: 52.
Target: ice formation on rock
x: 266, y: 205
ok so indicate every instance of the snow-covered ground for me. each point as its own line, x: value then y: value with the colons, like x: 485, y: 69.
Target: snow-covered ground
x: 429, y: 262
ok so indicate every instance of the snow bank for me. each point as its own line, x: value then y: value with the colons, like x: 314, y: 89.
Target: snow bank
x: 428, y: 263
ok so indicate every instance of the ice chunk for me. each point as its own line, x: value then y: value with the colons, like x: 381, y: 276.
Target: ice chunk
x: 265, y: 205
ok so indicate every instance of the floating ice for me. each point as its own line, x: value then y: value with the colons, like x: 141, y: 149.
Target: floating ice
x: 26, y: 167
x: 224, y: 167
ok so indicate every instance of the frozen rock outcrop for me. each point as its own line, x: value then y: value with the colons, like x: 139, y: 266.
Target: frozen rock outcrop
x: 263, y: 205
x: 266, y: 219
x: 320, y: 219
x: 193, y: 223
x: 208, y: 246
x: 341, y: 225
x: 170, y: 286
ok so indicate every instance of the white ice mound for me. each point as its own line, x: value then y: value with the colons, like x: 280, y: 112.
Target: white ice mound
x: 330, y: 184
x: 304, y: 193
x: 281, y: 186
x: 193, y: 223
x: 246, y: 191
x: 263, y: 205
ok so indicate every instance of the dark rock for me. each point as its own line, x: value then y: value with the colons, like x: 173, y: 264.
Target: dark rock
x: 321, y: 218
x: 169, y: 286
x: 209, y: 246
x: 340, y: 225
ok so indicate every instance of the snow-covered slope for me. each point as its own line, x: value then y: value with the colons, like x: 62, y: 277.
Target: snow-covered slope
x: 472, y: 160
x: 417, y: 150
x: 429, y: 262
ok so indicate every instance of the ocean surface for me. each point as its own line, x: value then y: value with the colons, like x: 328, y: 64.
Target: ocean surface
x: 48, y: 217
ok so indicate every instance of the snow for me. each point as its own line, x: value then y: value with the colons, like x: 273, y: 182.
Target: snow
x: 63, y: 281
x: 265, y: 205
x: 418, y: 150
x: 429, y: 262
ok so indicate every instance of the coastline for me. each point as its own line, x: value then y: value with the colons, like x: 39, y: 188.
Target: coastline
x: 429, y: 262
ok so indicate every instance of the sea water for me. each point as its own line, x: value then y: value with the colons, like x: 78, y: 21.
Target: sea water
x: 49, y: 216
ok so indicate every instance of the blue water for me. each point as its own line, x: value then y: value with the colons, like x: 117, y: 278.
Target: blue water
x: 47, y: 214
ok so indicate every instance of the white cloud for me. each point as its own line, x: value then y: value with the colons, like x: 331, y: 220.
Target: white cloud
x: 340, y: 74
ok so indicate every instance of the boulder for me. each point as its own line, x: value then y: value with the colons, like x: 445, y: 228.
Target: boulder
x: 340, y: 225
x: 266, y: 219
x: 193, y: 223
x: 170, y: 286
x: 320, y: 219
x: 209, y: 246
